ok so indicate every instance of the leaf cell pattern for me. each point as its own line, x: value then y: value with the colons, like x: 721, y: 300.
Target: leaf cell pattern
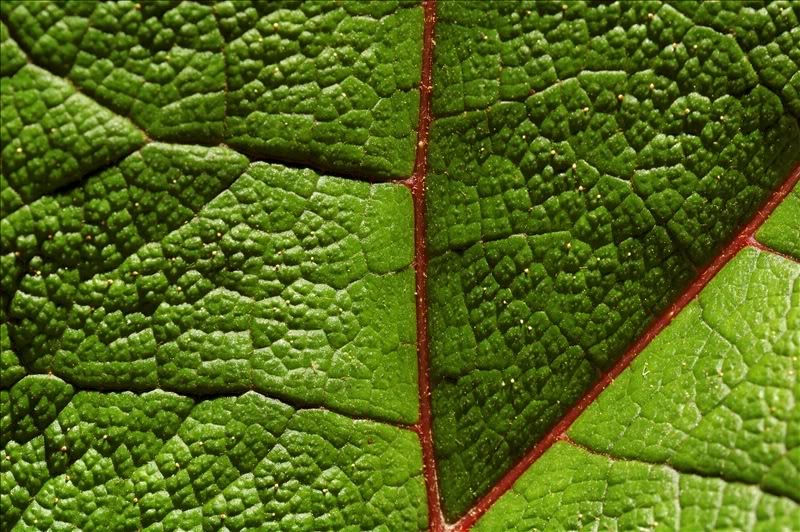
x: 196, y: 333
x: 188, y: 334
x: 585, y: 161
x: 334, y: 85
x: 699, y: 433
x: 125, y: 461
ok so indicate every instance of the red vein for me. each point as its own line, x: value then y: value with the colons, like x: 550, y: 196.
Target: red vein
x: 417, y: 186
x: 758, y: 245
x: 745, y: 237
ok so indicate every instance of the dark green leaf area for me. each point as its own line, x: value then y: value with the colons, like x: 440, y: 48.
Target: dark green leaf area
x: 586, y: 160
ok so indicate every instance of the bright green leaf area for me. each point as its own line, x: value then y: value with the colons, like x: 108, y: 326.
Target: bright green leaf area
x: 570, y: 488
x: 160, y: 461
x: 585, y: 161
x: 334, y: 84
x: 188, y: 269
x: 701, y: 432
x: 53, y: 135
x: 781, y: 231
x: 185, y: 331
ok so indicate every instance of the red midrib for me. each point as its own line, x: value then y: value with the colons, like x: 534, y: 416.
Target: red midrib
x: 745, y: 237
x: 423, y: 428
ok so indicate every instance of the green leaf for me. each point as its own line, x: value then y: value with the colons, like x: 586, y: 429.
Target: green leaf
x: 52, y: 136
x: 11, y: 57
x: 180, y: 321
x: 331, y: 84
x: 574, y: 489
x: 204, y: 274
x: 122, y: 461
x: 302, y: 265
x: 782, y: 228
x: 700, y: 432
x: 585, y: 162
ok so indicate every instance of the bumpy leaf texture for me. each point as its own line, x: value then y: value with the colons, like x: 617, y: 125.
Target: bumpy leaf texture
x: 300, y: 265
x: 586, y: 160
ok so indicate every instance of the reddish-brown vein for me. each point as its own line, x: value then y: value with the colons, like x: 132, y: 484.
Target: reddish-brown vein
x: 745, y: 237
x: 417, y: 186
x: 752, y: 242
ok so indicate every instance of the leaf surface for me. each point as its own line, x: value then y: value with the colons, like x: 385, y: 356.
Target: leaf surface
x: 586, y: 161
x: 300, y: 265
x: 781, y: 230
x: 125, y: 461
x: 181, y: 321
x: 700, y: 432
x: 330, y: 84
